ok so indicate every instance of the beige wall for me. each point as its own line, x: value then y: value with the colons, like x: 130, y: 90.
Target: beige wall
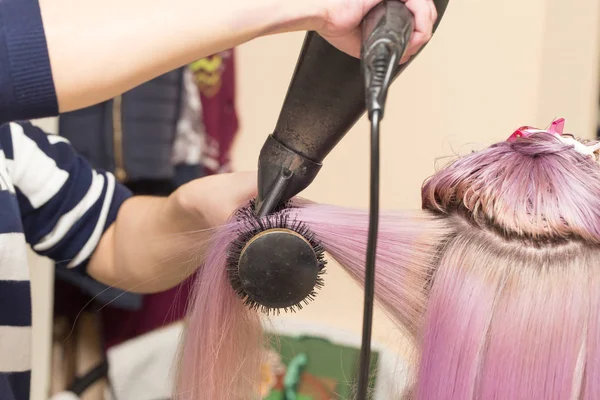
x: 493, y: 66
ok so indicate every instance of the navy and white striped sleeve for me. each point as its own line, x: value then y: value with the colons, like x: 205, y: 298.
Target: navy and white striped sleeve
x: 65, y: 204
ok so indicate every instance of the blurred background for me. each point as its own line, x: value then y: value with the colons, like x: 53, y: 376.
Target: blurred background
x: 492, y: 67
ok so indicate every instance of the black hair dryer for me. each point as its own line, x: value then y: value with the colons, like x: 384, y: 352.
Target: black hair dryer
x: 326, y: 97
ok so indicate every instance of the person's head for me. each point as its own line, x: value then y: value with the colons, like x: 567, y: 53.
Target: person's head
x: 495, y: 279
x: 513, y: 309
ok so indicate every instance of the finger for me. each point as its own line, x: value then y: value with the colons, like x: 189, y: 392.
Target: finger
x: 228, y: 188
x: 224, y: 193
x: 408, y: 54
x: 423, y: 18
x: 244, y: 185
x: 417, y: 40
x: 433, y: 11
x: 350, y: 43
x: 405, y: 58
x: 425, y: 15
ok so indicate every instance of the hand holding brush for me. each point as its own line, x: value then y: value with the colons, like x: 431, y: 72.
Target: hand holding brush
x: 157, y: 242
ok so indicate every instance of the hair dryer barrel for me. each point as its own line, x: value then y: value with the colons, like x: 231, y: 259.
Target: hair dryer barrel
x: 324, y: 100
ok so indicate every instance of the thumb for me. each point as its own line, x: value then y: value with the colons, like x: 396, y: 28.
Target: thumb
x: 245, y: 184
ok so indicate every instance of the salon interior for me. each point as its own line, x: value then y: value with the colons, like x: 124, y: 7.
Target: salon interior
x: 490, y: 68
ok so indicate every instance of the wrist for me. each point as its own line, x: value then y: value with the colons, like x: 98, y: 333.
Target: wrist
x: 298, y: 15
x: 182, y: 213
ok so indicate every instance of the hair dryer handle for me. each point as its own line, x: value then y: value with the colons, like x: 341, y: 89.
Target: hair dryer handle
x: 389, y: 20
x: 386, y: 32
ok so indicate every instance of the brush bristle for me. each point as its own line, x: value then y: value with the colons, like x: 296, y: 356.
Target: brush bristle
x: 251, y: 226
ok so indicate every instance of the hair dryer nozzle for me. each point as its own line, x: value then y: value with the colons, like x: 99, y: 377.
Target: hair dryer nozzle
x: 324, y: 99
x: 282, y: 174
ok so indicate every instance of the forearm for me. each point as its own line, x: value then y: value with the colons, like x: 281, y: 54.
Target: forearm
x: 150, y: 247
x: 99, y: 49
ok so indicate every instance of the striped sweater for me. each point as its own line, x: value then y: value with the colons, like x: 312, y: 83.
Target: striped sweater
x: 52, y: 200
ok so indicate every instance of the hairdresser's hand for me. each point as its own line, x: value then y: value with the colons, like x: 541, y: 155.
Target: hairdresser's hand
x: 343, y: 17
x: 158, y: 242
x: 209, y: 202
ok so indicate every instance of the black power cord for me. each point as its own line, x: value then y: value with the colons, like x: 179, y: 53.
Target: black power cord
x: 387, y: 31
x: 81, y: 384
x: 365, y: 350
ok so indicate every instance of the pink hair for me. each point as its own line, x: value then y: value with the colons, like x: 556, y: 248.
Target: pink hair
x: 513, y: 311
x: 495, y: 280
x: 221, y: 352
x: 221, y: 357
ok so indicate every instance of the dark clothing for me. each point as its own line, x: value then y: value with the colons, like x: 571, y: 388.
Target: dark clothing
x: 26, y: 84
x: 133, y: 134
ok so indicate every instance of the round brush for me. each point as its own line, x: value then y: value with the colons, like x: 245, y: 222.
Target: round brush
x: 275, y: 262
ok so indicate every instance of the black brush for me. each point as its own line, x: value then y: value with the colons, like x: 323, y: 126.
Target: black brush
x: 275, y: 262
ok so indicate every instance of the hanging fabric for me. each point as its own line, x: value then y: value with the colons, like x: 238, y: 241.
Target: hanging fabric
x: 215, y: 77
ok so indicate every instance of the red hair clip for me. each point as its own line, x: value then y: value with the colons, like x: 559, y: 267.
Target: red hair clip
x: 555, y: 128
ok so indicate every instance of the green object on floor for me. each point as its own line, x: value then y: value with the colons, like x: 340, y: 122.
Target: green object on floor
x: 275, y: 395
x: 278, y: 395
x: 330, y: 370
x: 293, y: 376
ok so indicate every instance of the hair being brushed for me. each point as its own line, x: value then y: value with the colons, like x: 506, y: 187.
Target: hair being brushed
x: 496, y: 281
